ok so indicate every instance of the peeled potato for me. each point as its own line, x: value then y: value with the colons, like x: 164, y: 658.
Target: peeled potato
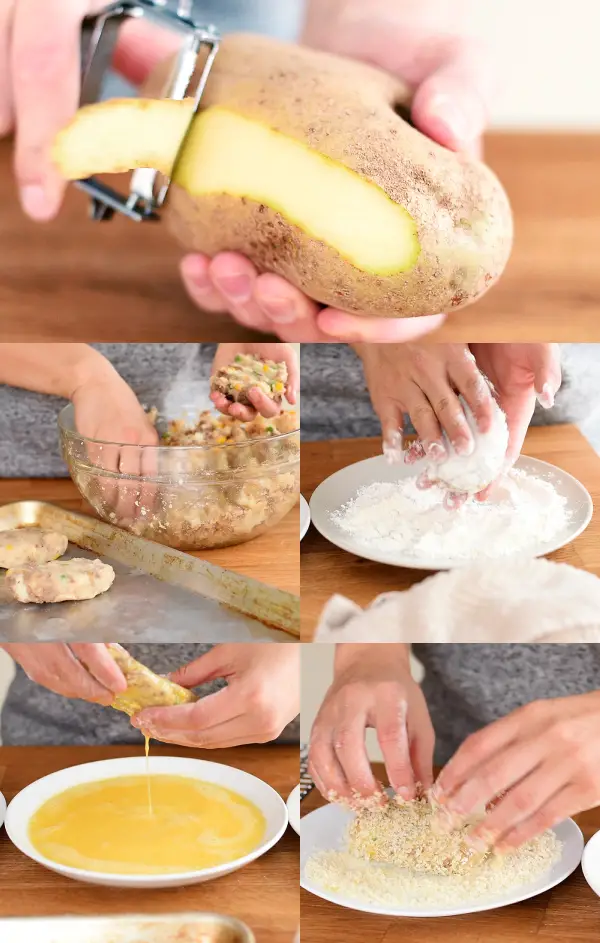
x: 300, y: 160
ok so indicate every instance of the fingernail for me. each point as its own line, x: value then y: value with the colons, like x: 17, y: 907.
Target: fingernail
x: 235, y: 287
x: 435, y: 451
x: 464, y: 446
x: 546, y: 397
x: 36, y: 204
x: 404, y: 793
x: 280, y: 310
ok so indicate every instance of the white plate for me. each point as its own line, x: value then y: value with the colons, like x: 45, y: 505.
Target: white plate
x: 153, y: 928
x: 304, y: 516
x: 293, y: 805
x: 342, y: 486
x: 324, y: 829
x: 25, y: 804
x: 590, y: 863
x: 2, y: 809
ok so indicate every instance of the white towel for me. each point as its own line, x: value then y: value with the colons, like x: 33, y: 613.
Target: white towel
x: 524, y: 601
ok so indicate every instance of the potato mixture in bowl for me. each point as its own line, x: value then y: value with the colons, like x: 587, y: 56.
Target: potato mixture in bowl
x: 212, y: 482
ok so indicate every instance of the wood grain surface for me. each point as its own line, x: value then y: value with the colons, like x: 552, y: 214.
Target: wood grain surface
x: 272, y: 558
x: 263, y: 894
x: 325, y: 569
x: 82, y: 281
x: 569, y: 913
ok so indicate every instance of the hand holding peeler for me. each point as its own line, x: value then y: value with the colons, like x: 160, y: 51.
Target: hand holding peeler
x: 148, y: 190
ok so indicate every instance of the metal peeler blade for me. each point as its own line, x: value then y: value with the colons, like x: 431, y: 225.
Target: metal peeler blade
x: 99, y: 39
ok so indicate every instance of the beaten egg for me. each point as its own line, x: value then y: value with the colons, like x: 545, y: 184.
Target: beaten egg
x: 110, y: 826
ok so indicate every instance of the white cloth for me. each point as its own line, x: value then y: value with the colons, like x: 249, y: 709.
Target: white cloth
x: 522, y: 601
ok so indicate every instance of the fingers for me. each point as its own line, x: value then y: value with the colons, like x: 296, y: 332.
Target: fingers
x: 55, y: 667
x: 470, y: 382
x: 325, y: 768
x: 214, y: 664
x: 100, y: 665
x: 339, y: 325
x: 141, y: 46
x: 518, y: 409
x: 476, y: 750
x: 422, y: 745
x: 45, y: 65
x: 422, y: 416
x: 452, y: 105
x: 263, y: 404
x: 547, y: 374
x: 350, y: 750
x: 522, y: 803
x: 564, y: 802
x: 392, y: 737
x: 6, y: 103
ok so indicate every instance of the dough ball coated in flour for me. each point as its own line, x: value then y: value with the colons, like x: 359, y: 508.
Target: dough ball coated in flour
x: 469, y: 474
x: 30, y: 545
x: 60, y: 581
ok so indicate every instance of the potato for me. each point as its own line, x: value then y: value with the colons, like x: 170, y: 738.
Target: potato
x: 301, y: 161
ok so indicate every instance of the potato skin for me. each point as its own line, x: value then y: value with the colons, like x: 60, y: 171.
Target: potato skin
x: 345, y: 110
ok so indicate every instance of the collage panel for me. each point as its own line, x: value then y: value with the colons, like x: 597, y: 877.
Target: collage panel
x: 442, y: 481
x: 465, y: 719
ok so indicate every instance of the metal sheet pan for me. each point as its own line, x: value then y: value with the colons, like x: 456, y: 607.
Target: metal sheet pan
x: 159, y: 595
x: 179, y: 928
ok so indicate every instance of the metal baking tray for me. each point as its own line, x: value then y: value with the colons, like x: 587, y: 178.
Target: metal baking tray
x: 179, y: 928
x: 159, y: 594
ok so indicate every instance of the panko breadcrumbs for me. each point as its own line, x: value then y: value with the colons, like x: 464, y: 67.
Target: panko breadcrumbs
x: 395, y: 856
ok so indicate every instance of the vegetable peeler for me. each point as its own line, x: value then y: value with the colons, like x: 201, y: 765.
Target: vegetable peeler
x: 147, y: 193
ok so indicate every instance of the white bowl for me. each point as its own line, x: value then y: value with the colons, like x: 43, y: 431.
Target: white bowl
x: 28, y: 801
x: 293, y: 805
x: 590, y: 863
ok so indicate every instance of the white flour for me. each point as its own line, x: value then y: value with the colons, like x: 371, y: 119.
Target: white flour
x: 522, y: 512
x: 472, y: 473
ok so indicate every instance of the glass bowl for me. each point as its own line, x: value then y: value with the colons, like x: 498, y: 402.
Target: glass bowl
x: 187, y: 497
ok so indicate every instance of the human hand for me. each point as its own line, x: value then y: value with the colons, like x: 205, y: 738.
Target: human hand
x: 81, y: 670
x: 520, y: 374
x: 372, y: 687
x: 427, y: 45
x: 541, y: 761
x: 40, y: 79
x: 262, y: 696
x: 263, y: 404
x: 107, y: 411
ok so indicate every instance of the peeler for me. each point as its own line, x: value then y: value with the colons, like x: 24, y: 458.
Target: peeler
x: 148, y: 190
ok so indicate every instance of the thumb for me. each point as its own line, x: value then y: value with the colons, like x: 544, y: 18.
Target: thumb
x: 547, y: 374
x: 452, y: 104
x: 213, y: 664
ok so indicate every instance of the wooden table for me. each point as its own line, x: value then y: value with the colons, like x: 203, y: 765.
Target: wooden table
x: 272, y: 558
x: 325, y: 569
x: 264, y: 894
x: 570, y: 913
x: 81, y: 281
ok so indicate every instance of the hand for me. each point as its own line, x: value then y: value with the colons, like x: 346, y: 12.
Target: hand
x: 261, y: 698
x: 372, y: 687
x: 425, y: 381
x: 543, y: 756
x: 81, y: 670
x: 520, y: 373
x: 108, y: 412
x: 425, y: 44
x: 39, y: 83
x: 262, y: 404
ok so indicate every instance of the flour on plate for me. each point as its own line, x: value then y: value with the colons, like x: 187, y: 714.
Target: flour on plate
x: 522, y: 512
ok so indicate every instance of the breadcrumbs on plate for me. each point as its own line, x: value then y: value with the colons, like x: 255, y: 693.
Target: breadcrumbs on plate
x: 394, y: 857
